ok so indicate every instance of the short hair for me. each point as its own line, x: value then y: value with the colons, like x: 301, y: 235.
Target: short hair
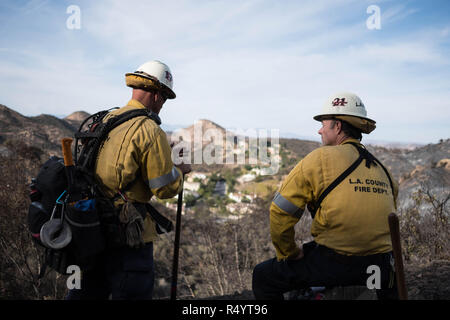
x: 348, y: 129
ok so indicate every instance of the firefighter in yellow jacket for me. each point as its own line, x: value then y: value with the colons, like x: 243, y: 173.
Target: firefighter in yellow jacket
x: 133, y: 165
x: 349, y: 194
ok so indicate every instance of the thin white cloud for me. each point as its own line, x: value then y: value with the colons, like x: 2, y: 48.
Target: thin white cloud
x: 246, y: 64
x: 396, y: 13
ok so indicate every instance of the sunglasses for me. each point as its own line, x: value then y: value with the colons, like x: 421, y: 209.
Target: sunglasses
x: 164, y: 95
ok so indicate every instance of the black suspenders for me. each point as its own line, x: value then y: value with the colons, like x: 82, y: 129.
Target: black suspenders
x: 363, y: 155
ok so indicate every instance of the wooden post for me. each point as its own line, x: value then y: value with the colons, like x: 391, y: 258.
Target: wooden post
x: 173, y: 291
x: 397, y: 249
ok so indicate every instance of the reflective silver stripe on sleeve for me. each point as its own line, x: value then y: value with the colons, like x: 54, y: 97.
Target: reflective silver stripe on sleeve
x: 164, y: 180
x: 287, y: 206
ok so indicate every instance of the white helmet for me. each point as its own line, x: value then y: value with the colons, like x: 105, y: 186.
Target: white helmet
x: 152, y: 75
x: 348, y: 107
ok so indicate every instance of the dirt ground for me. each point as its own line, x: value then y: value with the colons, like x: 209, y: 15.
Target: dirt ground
x: 429, y: 281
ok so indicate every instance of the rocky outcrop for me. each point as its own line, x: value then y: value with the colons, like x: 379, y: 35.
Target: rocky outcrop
x: 76, y: 118
x: 44, y: 132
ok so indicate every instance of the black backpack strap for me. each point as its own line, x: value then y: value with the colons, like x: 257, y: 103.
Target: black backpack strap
x: 373, y: 160
x: 119, y: 119
x: 88, y: 158
x: 364, y: 154
x: 116, y: 121
x: 370, y: 159
x: 389, y: 177
x: 163, y: 225
x: 314, y: 207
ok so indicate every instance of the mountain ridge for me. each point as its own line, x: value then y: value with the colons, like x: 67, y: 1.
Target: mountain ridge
x: 413, y: 168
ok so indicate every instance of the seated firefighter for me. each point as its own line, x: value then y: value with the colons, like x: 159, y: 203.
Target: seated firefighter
x: 133, y: 165
x: 349, y: 194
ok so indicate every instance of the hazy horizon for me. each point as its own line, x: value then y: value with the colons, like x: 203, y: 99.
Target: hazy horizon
x: 283, y: 134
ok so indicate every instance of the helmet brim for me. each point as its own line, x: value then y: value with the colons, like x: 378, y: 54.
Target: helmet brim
x: 146, y: 82
x: 366, y: 125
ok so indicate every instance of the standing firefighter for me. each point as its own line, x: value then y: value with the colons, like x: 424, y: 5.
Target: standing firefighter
x: 349, y: 194
x: 133, y: 165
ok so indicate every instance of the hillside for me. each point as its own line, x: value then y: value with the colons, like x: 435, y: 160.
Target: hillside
x: 218, y: 250
x: 44, y: 132
x: 422, y: 167
x: 75, y: 119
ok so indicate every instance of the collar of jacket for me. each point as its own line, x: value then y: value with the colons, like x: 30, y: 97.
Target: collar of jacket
x: 136, y: 104
x: 351, y: 140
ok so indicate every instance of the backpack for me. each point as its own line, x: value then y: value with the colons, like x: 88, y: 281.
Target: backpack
x: 69, y: 215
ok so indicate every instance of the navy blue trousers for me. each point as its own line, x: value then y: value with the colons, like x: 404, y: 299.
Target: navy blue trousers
x: 123, y: 274
x: 320, y: 267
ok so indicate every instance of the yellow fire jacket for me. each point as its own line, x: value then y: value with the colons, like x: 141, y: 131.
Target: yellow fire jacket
x: 353, y: 217
x: 138, y: 152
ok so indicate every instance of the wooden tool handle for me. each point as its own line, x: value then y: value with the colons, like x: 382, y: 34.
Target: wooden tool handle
x: 67, y: 151
x: 173, y: 291
x: 397, y: 250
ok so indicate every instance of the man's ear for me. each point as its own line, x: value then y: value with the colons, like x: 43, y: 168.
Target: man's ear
x: 338, y: 125
x: 159, y: 95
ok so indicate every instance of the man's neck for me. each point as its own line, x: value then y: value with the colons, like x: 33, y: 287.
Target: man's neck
x: 142, y: 96
x: 341, y: 138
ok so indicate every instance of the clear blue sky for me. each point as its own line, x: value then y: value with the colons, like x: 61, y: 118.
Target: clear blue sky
x: 243, y: 64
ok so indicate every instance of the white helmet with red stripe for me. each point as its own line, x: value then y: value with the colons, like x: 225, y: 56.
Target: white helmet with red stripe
x: 150, y: 76
x: 348, y: 107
